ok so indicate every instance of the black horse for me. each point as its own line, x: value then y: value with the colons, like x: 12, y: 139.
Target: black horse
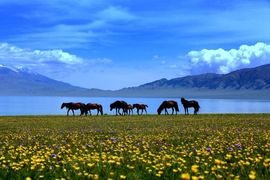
x: 73, y: 106
x: 187, y: 104
x: 92, y: 106
x: 168, y: 104
x: 141, y: 107
x: 117, y: 105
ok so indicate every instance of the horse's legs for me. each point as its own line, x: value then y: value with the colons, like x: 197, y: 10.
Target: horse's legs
x: 195, y: 111
x: 82, y: 112
x: 85, y: 112
x: 73, y: 112
x: 68, y: 112
x: 172, y: 110
x: 118, y: 112
x: 187, y: 111
x: 166, y: 112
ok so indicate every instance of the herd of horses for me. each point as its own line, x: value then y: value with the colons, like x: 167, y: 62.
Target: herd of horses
x: 123, y: 108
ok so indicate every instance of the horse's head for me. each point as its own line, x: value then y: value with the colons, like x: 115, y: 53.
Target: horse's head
x: 63, y: 105
x: 112, y: 107
x: 160, y: 108
x: 182, y: 100
x: 159, y: 111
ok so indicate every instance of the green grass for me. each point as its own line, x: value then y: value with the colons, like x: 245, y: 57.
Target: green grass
x: 215, y: 146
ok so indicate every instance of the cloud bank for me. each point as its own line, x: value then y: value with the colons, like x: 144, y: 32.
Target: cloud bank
x: 53, y: 63
x: 17, y: 56
x: 224, y: 61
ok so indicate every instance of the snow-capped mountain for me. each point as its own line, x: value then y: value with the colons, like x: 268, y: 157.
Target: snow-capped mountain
x: 22, y: 81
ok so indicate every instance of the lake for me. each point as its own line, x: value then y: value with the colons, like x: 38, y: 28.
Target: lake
x: 18, y: 105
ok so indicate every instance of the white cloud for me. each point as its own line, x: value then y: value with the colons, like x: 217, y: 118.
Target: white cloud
x: 224, y: 61
x: 52, y: 63
x: 17, y: 56
x: 161, y: 59
x: 56, y: 55
x: 100, y: 61
x: 113, y: 13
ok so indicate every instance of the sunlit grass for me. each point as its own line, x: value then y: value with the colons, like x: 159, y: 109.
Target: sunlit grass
x: 135, y: 147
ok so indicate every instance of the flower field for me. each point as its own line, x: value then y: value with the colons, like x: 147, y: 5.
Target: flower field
x: 135, y: 147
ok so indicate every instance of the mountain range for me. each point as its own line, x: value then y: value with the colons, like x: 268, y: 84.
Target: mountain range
x: 241, y: 83
x: 20, y: 81
x: 244, y: 79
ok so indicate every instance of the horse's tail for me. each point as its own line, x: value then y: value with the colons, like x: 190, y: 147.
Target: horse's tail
x: 101, y: 110
x: 176, y: 107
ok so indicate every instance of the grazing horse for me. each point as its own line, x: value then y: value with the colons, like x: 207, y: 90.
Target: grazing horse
x: 73, y: 106
x: 187, y: 104
x: 129, y: 109
x: 168, y: 104
x: 91, y: 106
x: 117, y: 105
x: 140, y: 107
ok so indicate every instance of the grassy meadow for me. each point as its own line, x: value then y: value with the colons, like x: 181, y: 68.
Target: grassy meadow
x: 135, y: 147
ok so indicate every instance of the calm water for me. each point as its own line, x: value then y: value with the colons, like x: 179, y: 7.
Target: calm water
x: 51, y: 105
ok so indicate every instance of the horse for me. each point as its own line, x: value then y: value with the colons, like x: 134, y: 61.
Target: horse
x: 73, y: 106
x: 168, y: 104
x: 140, y: 107
x: 187, y: 104
x: 129, y: 109
x: 117, y: 105
x: 91, y: 106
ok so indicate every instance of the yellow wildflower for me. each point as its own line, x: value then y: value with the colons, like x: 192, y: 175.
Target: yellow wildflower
x: 185, y: 176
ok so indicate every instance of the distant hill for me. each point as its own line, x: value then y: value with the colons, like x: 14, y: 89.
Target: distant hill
x: 19, y: 81
x: 244, y: 83
x: 244, y: 79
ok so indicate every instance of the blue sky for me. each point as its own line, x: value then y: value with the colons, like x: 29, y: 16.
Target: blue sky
x: 121, y: 43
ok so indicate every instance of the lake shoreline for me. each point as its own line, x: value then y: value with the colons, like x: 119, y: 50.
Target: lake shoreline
x: 161, y: 93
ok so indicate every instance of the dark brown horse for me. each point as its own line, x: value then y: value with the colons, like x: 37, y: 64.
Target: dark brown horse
x: 117, y: 105
x: 187, y: 104
x: 73, y: 106
x: 141, y: 107
x: 92, y: 106
x: 168, y: 104
x: 129, y: 109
